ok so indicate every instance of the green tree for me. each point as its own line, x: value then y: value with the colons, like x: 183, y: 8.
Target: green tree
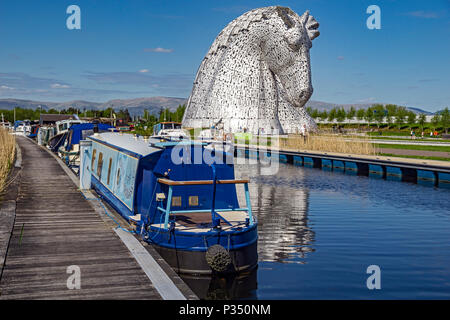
x: 360, y: 114
x: 351, y: 113
x: 368, y: 115
x: 332, y: 115
x: 323, y: 115
x: 378, y: 114
x: 412, y: 118
x: 445, y: 119
x: 435, y: 121
x: 340, y: 115
x: 421, y: 120
x: 391, y: 110
x: 314, y: 113
x: 400, y: 116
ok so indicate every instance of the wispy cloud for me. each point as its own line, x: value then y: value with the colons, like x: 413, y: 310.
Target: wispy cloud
x: 142, y: 79
x: 428, y: 80
x: 105, y: 85
x: 6, y: 88
x: 425, y: 14
x: 340, y: 58
x: 366, y: 100
x: 232, y: 9
x: 162, y: 50
x: 21, y: 80
x: 59, y: 86
x: 21, y: 85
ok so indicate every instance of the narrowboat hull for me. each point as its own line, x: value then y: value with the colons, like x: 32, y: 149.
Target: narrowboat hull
x: 242, y: 251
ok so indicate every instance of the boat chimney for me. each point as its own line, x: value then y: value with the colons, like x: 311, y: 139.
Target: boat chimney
x: 96, y: 129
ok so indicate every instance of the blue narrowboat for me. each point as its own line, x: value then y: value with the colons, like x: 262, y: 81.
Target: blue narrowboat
x: 180, y: 196
x: 69, y: 146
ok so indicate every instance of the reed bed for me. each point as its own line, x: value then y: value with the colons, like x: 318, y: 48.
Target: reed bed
x: 328, y: 143
x: 7, y: 151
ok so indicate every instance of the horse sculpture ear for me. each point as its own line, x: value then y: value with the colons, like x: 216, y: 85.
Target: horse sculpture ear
x: 311, y: 27
x: 310, y: 24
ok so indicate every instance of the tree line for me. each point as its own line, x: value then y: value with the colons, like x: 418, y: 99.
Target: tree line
x: 380, y: 114
x: 34, y: 114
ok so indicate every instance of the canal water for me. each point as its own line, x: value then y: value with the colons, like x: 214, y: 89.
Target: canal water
x: 319, y: 231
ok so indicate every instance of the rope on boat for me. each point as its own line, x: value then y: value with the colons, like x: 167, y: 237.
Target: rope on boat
x: 204, y: 238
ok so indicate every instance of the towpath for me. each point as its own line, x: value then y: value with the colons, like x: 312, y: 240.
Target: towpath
x: 58, y: 238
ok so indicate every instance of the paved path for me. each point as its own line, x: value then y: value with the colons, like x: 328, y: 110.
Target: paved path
x: 55, y: 228
x: 409, y: 152
x: 403, y: 142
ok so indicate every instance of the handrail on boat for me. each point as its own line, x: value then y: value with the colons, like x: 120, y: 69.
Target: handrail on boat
x: 172, y: 183
x: 200, y: 182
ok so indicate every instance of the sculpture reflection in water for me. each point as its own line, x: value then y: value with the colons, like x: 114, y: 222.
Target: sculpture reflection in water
x: 281, y: 209
x: 280, y: 203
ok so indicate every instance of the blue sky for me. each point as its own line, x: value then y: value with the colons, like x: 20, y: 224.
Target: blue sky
x: 130, y: 49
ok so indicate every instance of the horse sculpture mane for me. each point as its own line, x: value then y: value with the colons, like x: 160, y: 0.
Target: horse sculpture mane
x: 256, y: 75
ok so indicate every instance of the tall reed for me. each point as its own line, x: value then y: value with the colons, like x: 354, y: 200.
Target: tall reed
x: 7, y: 150
x: 328, y: 143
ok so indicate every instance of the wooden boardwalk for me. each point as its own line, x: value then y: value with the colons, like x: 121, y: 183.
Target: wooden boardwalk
x: 54, y: 228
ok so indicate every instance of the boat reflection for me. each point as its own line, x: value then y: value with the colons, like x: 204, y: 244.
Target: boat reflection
x: 242, y: 286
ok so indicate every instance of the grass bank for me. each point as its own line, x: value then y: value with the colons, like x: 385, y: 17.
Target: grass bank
x: 414, y: 157
x: 413, y: 147
x: 7, y: 150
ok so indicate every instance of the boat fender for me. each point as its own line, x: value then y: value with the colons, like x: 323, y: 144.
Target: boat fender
x: 218, y: 258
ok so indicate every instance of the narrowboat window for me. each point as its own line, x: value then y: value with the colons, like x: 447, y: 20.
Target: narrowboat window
x: 118, y: 176
x: 109, y: 170
x: 93, y: 159
x: 193, y: 200
x: 176, y: 202
x: 100, y: 165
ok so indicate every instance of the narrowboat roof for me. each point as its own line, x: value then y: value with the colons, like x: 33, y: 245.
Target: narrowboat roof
x: 127, y: 142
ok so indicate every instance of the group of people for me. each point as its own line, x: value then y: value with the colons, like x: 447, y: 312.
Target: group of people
x: 432, y: 134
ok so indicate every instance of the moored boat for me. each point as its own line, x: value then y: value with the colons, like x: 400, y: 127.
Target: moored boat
x: 170, y: 130
x: 186, y: 207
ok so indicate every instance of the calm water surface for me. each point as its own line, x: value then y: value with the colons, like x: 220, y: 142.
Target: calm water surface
x: 319, y: 231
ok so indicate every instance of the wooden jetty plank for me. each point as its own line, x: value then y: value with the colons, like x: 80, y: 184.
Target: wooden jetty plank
x: 55, y: 228
x: 159, y: 278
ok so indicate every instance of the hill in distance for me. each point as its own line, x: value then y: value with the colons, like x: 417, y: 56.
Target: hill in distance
x: 152, y: 104
x: 134, y: 106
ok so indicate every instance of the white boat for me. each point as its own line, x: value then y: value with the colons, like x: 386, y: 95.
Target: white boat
x: 64, y: 125
x: 170, y: 130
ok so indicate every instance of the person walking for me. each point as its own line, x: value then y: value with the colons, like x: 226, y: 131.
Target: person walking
x: 304, y: 133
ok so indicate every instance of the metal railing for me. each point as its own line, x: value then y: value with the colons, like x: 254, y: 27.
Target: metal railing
x: 172, y: 183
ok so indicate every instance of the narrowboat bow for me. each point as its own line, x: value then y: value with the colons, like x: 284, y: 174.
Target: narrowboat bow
x: 185, y: 206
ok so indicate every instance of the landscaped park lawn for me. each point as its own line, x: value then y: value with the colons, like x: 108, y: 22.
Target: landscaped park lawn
x: 413, y: 147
